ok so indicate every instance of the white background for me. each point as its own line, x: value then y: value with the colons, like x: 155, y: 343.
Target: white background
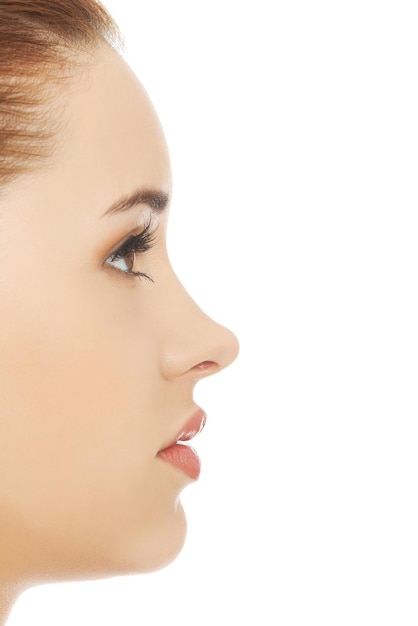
x: 292, y: 127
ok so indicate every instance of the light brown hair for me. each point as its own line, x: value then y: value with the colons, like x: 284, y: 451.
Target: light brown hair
x: 40, y: 42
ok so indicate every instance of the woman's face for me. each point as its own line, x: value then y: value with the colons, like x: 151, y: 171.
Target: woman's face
x: 97, y: 366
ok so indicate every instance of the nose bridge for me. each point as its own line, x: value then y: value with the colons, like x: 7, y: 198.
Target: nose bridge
x: 193, y: 343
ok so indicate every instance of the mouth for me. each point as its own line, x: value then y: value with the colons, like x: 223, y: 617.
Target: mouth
x: 184, y: 457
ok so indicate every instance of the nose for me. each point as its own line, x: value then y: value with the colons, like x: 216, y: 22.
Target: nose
x: 193, y: 345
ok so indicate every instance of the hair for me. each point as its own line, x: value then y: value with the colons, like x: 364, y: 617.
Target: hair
x: 41, y: 44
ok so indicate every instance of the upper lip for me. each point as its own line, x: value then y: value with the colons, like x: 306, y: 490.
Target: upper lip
x: 192, y: 427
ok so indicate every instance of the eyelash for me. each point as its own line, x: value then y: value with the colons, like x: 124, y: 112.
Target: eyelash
x: 135, y: 244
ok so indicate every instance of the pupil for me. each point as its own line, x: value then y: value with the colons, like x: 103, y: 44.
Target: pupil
x: 130, y: 261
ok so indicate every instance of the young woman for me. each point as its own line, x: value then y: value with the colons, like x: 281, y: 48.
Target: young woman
x: 100, y: 345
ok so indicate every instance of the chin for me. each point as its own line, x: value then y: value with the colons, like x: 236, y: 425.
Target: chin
x: 154, y: 549
x: 133, y: 552
x: 117, y: 544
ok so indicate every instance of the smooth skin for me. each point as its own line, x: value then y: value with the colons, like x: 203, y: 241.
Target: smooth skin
x: 97, y: 367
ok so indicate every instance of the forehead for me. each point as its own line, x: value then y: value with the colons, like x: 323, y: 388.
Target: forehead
x: 110, y: 144
x: 112, y: 139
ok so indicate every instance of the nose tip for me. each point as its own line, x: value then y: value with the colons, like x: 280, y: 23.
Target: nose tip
x: 193, y: 344
x: 197, y: 347
x: 225, y: 352
x: 230, y: 348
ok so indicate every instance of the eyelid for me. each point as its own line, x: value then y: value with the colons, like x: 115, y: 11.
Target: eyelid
x: 137, y: 230
x: 134, y: 244
x: 138, y: 243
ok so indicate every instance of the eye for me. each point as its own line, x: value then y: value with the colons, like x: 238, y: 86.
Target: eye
x: 123, y: 259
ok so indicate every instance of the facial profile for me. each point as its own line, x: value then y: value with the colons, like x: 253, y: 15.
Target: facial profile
x: 100, y: 345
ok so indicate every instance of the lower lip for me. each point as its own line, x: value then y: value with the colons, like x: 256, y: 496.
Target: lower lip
x: 183, y: 458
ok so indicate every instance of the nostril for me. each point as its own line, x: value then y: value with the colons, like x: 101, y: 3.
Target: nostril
x: 205, y: 368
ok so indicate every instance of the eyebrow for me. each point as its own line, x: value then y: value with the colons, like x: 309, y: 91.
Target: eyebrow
x: 156, y: 200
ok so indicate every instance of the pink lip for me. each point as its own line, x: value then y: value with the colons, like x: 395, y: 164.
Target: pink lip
x: 184, y: 457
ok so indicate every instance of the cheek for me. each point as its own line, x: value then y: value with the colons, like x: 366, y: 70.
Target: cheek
x: 77, y: 390
x: 84, y: 423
